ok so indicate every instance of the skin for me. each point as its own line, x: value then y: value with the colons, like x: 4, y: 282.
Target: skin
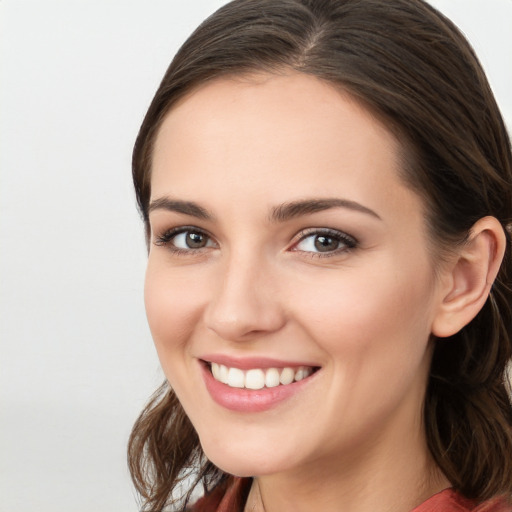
x: 352, y: 438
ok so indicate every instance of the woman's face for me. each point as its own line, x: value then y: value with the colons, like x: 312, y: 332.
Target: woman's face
x: 284, y: 246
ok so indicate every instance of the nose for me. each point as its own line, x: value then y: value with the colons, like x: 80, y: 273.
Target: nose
x: 244, y: 304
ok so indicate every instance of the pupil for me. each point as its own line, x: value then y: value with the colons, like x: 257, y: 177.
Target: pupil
x: 196, y: 240
x: 325, y: 243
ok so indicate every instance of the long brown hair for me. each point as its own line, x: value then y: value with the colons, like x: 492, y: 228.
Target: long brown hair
x: 413, y: 68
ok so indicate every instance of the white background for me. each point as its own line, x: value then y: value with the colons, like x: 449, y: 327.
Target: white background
x: 77, y: 361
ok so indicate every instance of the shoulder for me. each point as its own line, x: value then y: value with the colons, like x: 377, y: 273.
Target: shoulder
x: 231, y: 494
x: 495, y: 505
x: 451, y: 501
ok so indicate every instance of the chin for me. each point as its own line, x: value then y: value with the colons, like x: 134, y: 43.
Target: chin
x: 245, y: 461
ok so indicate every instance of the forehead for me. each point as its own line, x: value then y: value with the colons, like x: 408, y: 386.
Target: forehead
x: 275, y: 135
x: 290, y: 102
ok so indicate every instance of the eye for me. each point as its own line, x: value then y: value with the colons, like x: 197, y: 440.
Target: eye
x: 325, y: 241
x: 185, y: 239
x: 190, y: 240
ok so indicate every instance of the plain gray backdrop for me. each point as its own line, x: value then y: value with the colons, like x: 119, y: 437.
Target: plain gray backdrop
x: 77, y: 361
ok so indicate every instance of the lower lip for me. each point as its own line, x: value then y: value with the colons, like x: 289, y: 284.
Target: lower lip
x: 250, y: 400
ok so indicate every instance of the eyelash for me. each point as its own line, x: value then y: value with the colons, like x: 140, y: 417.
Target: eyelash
x: 167, y: 237
x: 348, y: 242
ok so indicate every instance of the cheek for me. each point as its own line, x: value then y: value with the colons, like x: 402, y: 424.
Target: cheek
x: 173, y: 305
x: 376, y: 315
x: 374, y: 331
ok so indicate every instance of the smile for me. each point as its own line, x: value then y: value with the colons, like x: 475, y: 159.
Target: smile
x: 254, y: 385
x: 259, y: 378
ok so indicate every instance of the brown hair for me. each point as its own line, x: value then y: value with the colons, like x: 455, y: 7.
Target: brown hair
x: 413, y: 68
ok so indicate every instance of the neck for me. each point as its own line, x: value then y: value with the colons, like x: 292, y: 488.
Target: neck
x: 375, y: 495
x: 392, y: 476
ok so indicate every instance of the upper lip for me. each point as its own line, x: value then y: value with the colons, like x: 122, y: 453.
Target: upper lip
x: 247, y: 363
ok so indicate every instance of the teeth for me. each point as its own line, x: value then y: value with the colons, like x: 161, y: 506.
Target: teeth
x: 272, y: 378
x: 223, y: 374
x: 302, y: 373
x: 216, y: 371
x: 287, y: 376
x: 258, y: 378
x: 236, y: 378
x: 299, y: 375
x: 254, y: 379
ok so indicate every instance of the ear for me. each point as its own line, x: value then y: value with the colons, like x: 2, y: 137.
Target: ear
x: 468, y: 279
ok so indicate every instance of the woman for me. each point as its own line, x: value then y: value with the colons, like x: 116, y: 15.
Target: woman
x: 326, y: 190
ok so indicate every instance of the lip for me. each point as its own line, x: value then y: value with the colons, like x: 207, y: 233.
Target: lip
x: 247, y: 363
x: 249, y: 400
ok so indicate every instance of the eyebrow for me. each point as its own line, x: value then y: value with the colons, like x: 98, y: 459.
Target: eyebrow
x: 295, y: 209
x: 281, y: 213
x: 178, y: 206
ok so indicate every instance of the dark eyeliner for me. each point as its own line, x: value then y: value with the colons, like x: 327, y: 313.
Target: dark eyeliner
x: 168, y: 235
x: 347, y: 240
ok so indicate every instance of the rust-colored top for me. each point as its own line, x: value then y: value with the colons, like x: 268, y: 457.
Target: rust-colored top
x: 231, y: 495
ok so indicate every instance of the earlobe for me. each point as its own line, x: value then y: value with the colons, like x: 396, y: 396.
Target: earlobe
x: 470, y: 277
